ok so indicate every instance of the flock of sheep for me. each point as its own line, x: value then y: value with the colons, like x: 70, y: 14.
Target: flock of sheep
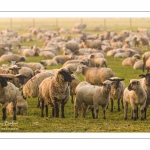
x: 85, y: 54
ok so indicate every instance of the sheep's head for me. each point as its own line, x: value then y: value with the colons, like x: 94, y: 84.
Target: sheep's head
x: 133, y: 85
x: 65, y: 74
x: 147, y: 78
x: 106, y: 85
x: 116, y: 82
x: 80, y: 68
x: 3, y: 82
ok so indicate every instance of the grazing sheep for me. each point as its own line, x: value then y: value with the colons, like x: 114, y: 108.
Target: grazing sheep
x: 84, y: 98
x: 55, y: 91
x: 134, y: 95
x: 94, y: 75
x: 49, y: 62
x: 12, y: 57
x: 21, y: 107
x: 8, y: 93
x: 46, y: 54
x: 130, y: 61
x: 102, y: 97
x: 138, y: 65
x: 117, y: 88
x: 72, y: 46
x: 145, y: 81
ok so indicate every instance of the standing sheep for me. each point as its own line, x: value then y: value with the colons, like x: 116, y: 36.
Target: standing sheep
x: 94, y: 75
x: 102, y: 97
x: 55, y: 91
x: 134, y: 95
x: 8, y: 93
x: 117, y: 88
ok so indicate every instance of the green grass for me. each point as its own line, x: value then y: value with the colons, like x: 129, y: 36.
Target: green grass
x: 114, y: 121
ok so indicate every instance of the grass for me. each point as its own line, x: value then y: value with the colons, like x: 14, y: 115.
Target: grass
x: 114, y: 121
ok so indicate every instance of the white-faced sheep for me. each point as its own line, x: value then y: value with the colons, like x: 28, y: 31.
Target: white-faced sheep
x: 130, y: 61
x: 94, y: 75
x: 84, y: 98
x: 134, y: 95
x: 117, y: 89
x: 55, y: 91
x: 8, y: 93
x: 102, y: 97
x: 21, y: 107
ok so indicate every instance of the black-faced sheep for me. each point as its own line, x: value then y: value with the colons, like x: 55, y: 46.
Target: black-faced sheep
x: 55, y: 91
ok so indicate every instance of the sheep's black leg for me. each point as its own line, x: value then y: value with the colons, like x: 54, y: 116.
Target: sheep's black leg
x: 62, y: 109
x: 46, y: 109
x: 72, y: 99
x: 134, y: 114
x: 56, y: 109
x: 93, y: 115
x: 14, y: 110
x: 42, y: 109
x: 52, y: 111
x: 38, y: 105
x: 112, y: 105
x: 118, y: 104
x: 4, y: 113
x: 137, y: 113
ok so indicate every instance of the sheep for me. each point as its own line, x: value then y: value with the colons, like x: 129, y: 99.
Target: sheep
x: 61, y: 59
x: 73, y: 84
x: 116, y: 93
x: 145, y: 56
x: 134, y: 95
x: 97, y: 62
x: 72, y: 46
x: 138, y: 65
x: 145, y: 81
x: 147, y: 65
x: 33, y: 65
x: 46, y: 54
x: 144, y: 41
x: 21, y: 107
x: 94, y: 75
x: 49, y: 62
x: 84, y: 98
x: 12, y: 57
x: 8, y: 93
x: 31, y: 88
x: 130, y: 61
x: 102, y: 97
x: 124, y: 54
x: 55, y: 91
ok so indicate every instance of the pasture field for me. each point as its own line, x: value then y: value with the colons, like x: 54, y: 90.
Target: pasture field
x: 114, y: 121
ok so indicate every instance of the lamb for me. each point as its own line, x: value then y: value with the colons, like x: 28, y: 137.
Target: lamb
x: 21, y: 107
x: 102, y: 97
x: 130, y: 61
x: 12, y: 57
x: 117, y: 89
x: 8, y: 93
x: 55, y: 91
x: 134, y: 95
x: 94, y: 75
x: 84, y: 98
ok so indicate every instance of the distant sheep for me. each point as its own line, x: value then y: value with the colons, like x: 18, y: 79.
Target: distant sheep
x: 94, y: 75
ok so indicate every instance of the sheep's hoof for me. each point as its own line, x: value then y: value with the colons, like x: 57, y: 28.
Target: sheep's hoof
x: 3, y: 118
x: 111, y: 110
x: 14, y: 118
x: 142, y: 118
x: 104, y: 117
x: 62, y: 116
x: 119, y: 109
x: 134, y: 118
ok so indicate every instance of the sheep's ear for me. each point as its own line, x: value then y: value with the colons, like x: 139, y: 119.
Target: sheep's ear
x: 142, y: 75
x: 92, y: 56
x: 111, y: 79
x: 138, y: 82
x: 122, y: 79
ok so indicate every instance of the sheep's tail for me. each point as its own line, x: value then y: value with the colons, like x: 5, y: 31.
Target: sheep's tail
x: 144, y: 62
